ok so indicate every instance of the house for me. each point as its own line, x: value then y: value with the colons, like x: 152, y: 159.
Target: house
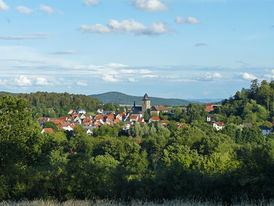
x: 155, y: 110
x: 218, y: 125
x: 89, y: 129
x: 154, y: 119
x: 210, y: 118
x: 81, y: 111
x: 133, y: 118
x: 99, y: 117
x: 126, y: 126
x: 121, y: 116
x: 209, y: 107
x: 77, y: 119
x: 100, y: 111
x: 83, y: 116
x: 47, y: 130
x: 71, y: 111
x: 141, y: 120
x: 67, y: 128
x: 181, y: 124
x: 165, y: 122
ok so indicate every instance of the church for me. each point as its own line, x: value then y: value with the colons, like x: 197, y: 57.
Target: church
x: 142, y: 109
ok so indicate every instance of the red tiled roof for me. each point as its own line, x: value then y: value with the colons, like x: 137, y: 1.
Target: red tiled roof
x: 49, y: 130
x: 219, y: 123
x: 86, y: 120
x: 99, y: 116
x: 141, y: 120
x: 133, y: 116
x: 155, y: 118
x: 110, y: 117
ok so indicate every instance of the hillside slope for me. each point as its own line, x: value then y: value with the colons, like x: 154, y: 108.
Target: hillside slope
x: 120, y: 98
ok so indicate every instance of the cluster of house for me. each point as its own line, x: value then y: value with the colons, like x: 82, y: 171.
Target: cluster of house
x: 89, y: 122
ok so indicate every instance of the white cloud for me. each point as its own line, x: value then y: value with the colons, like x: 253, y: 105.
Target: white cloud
x: 188, y: 20
x: 30, y: 36
x: 23, y: 80
x: 128, y: 27
x: 46, y: 9
x: 110, y: 78
x: 150, y: 5
x: 128, y: 71
x: 180, y: 20
x: 82, y: 83
x: 3, y: 5
x: 248, y: 76
x: 145, y: 71
x: 116, y: 65
x: 150, y: 76
x: 192, y: 20
x: 41, y: 81
x: 24, y: 10
x: 97, y: 28
x: 210, y: 76
x: 90, y: 2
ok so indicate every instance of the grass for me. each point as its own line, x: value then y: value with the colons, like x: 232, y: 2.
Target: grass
x: 112, y: 203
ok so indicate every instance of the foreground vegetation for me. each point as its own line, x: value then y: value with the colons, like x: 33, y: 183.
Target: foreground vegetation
x: 147, y: 163
x: 132, y: 203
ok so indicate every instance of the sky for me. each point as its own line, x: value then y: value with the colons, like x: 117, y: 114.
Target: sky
x: 190, y: 49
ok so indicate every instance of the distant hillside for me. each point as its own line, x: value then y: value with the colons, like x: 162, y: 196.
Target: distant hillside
x: 206, y: 100
x: 120, y: 98
x: 3, y: 93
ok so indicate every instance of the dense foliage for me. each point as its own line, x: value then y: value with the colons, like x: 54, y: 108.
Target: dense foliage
x: 250, y: 105
x: 56, y: 104
x: 147, y: 162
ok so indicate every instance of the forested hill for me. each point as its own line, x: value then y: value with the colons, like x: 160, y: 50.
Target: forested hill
x: 255, y: 104
x: 58, y: 104
x: 120, y: 98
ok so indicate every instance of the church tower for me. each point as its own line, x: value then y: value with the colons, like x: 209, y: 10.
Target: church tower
x: 145, y: 104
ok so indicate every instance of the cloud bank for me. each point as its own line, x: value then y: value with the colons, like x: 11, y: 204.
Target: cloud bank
x: 150, y: 5
x: 127, y: 27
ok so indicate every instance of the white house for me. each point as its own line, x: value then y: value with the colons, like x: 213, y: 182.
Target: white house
x: 218, y: 125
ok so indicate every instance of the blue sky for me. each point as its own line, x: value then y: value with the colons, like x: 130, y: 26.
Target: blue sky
x: 167, y: 48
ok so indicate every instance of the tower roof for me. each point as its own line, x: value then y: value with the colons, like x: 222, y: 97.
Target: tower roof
x: 145, y: 97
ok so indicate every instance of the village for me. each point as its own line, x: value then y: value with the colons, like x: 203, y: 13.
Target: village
x: 136, y: 114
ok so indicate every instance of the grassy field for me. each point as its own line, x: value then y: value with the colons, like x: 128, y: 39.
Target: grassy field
x: 111, y: 203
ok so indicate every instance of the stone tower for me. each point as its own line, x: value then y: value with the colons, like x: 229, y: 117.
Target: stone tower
x: 145, y: 104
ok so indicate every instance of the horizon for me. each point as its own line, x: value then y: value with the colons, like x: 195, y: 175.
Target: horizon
x: 168, y: 48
